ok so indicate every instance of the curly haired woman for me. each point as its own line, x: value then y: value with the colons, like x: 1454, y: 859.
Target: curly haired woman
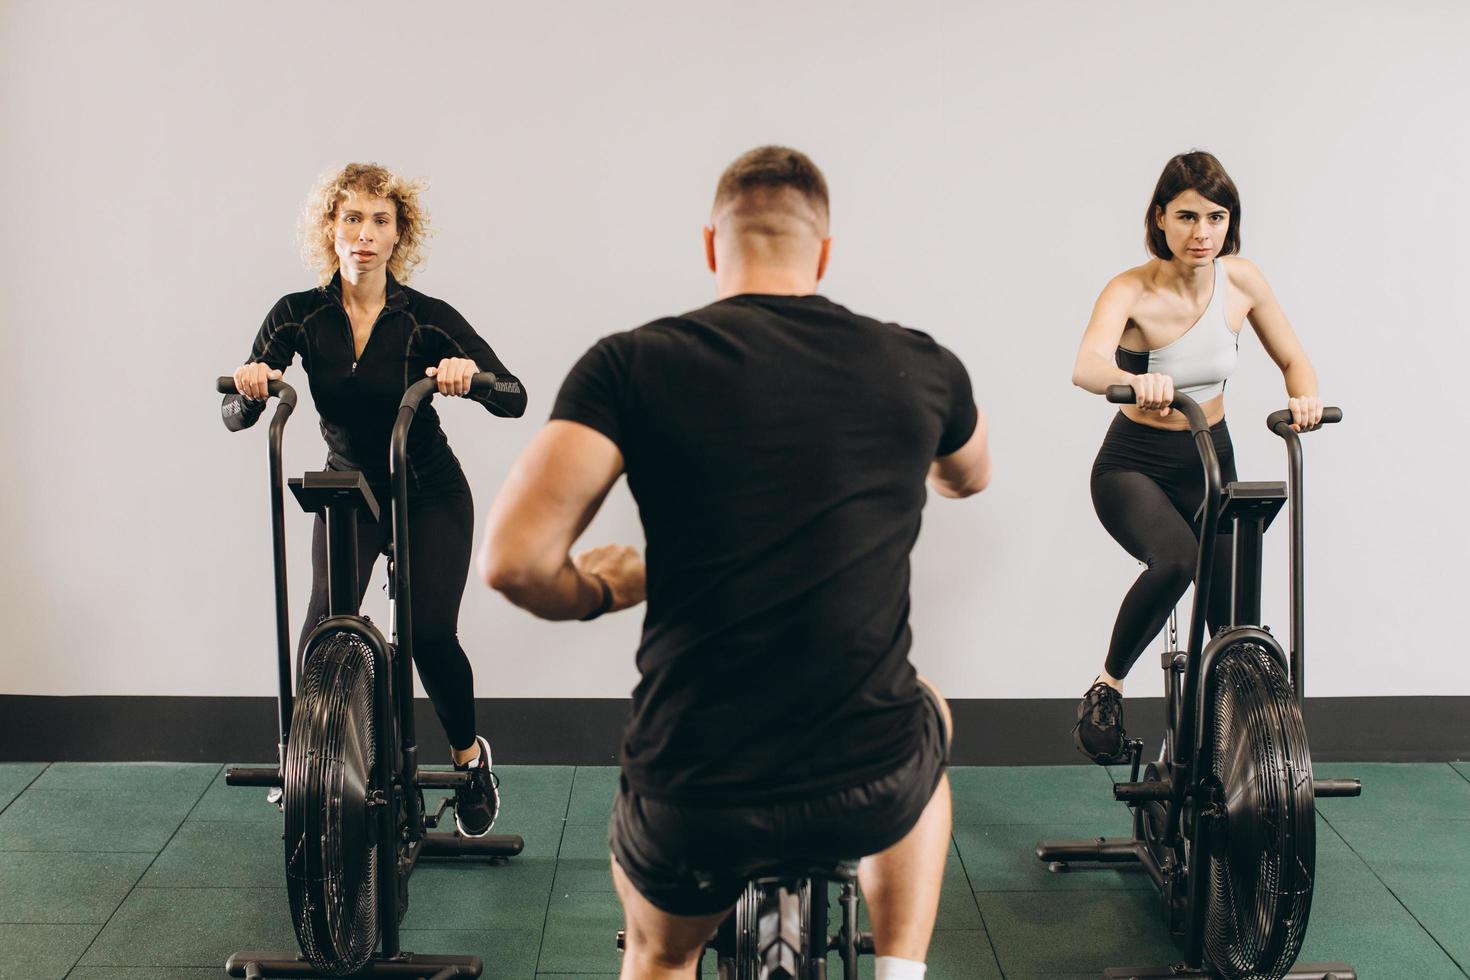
x: 364, y: 337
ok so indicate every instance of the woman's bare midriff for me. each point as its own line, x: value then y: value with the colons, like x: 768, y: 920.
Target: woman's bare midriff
x: 1214, y: 411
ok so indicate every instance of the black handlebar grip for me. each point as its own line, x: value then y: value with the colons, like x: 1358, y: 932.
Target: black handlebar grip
x: 1182, y: 403
x: 426, y: 388
x: 1329, y: 415
x: 225, y: 385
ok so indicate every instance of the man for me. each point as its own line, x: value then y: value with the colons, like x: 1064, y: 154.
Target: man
x: 777, y: 446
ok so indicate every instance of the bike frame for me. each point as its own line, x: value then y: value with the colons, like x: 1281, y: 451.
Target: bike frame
x: 1190, y: 683
x: 396, y: 777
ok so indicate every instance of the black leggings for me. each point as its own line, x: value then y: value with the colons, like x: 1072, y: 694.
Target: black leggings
x: 441, y: 524
x: 1147, y: 484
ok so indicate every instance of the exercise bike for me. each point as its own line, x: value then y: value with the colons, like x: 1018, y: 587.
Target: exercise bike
x: 778, y: 928
x: 347, y: 767
x: 1224, y: 818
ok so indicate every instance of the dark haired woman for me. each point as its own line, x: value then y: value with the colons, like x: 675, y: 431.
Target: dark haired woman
x: 364, y: 337
x: 1171, y: 324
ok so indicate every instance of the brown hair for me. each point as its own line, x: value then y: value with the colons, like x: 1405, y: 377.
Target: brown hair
x: 772, y: 169
x: 320, y: 212
x: 1194, y: 171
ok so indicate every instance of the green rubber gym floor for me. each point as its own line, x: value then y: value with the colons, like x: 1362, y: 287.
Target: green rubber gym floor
x: 161, y: 871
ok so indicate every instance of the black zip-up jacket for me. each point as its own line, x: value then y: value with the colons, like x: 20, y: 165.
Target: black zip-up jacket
x: 357, y: 398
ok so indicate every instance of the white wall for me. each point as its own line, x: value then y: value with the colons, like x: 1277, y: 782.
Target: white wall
x: 989, y: 166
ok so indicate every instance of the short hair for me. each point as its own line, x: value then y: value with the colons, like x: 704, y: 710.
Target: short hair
x: 1193, y: 171
x: 320, y: 212
x: 767, y: 174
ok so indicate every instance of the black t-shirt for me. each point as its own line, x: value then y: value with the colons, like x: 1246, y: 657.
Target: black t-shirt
x: 777, y: 448
x: 357, y: 398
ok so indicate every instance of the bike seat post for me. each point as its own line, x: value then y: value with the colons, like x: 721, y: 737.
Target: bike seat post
x: 1248, y: 511
x: 1245, y: 574
x: 338, y: 496
x: 342, y: 595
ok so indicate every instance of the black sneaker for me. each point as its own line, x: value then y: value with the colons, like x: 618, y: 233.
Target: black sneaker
x: 477, y: 801
x: 1099, y: 730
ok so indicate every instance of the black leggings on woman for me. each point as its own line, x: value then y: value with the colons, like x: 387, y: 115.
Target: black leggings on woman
x: 1147, y: 485
x: 441, y: 523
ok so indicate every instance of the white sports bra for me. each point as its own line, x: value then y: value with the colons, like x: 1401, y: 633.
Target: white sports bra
x: 1202, y: 358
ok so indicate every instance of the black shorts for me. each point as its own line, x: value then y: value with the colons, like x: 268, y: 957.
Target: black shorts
x: 688, y: 859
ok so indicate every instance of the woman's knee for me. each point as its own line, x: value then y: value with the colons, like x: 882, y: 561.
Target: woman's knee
x: 1172, y: 572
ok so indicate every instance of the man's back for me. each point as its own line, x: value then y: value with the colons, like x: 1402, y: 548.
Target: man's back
x: 777, y: 448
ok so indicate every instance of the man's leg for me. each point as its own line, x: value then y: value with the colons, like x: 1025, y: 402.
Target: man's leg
x: 657, y: 945
x: 901, y: 884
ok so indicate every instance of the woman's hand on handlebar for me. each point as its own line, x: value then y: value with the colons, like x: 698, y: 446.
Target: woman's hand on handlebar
x: 1306, y: 413
x: 454, y: 374
x: 1154, y: 392
x: 621, y: 567
x: 252, y: 380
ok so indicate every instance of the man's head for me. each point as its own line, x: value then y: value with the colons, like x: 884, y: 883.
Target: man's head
x: 769, y: 217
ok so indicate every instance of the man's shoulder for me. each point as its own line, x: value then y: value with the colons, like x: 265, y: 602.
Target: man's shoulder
x: 651, y: 334
x: 908, y: 337
x: 814, y: 306
x: 691, y: 329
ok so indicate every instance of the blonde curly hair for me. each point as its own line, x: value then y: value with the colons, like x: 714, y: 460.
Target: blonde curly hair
x: 320, y: 213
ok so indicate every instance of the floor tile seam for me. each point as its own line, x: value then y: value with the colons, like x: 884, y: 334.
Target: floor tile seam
x: 1059, y: 891
x: 208, y: 888
x: 975, y: 901
x: 27, y: 786
x: 1354, y: 815
x: 1029, y: 823
x: 216, y: 967
x: 990, y: 941
x: 130, y: 800
x: 134, y: 887
x: 1371, y: 870
x: 960, y: 855
x: 555, y: 866
x: 94, y: 850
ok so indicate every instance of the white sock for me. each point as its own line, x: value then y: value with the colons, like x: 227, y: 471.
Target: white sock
x: 894, y: 968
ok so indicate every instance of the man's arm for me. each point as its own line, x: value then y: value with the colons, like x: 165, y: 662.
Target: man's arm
x: 965, y: 471
x: 551, y: 495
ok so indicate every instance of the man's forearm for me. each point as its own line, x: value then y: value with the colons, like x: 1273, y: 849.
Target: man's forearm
x: 565, y: 594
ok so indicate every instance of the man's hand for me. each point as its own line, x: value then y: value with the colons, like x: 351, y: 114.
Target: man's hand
x: 621, y: 567
x: 545, y: 504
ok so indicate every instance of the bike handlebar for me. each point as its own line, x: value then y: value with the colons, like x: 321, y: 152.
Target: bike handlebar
x: 225, y: 385
x: 1283, y: 417
x: 1125, y: 395
x: 421, y: 390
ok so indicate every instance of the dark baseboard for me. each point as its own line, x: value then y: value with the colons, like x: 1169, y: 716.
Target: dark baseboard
x: 585, y: 731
